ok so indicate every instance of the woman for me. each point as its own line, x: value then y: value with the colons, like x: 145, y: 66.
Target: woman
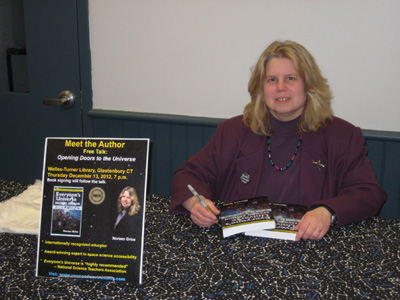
x: 127, y: 220
x: 287, y: 146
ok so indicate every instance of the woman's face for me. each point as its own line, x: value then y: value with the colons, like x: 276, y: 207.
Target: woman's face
x: 126, y: 200
x: 284, y: 90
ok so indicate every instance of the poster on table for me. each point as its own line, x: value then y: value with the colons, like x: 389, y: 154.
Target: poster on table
x: 93, y: 208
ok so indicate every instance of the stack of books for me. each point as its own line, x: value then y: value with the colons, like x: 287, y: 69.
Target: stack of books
x: 258, y: 217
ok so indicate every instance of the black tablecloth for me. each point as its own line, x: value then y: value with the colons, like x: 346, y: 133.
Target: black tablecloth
x: 184, y: 261
x: 10, y: 189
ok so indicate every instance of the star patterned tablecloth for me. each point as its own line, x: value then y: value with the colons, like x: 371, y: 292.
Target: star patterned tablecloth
x: 184, y: 261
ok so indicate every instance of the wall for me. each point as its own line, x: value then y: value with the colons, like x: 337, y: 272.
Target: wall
x: 194, y: 57
x: 175, y: 138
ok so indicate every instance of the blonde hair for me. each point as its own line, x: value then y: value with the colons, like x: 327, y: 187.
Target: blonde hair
x: 134, y: 209
x: 317, y: 109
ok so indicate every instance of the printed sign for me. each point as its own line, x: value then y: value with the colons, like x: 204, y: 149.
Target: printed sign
x: 93, y: 208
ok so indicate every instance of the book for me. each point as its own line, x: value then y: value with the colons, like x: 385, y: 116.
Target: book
x: 286, y: 217
x: 67, y: 211
x: 245, y: 215
x: 93, y: 208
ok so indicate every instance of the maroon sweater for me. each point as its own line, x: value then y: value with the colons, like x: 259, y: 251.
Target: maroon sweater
x: 346, y: 183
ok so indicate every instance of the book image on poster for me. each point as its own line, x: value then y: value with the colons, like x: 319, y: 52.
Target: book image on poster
x: 246, y: 215
x: 93, y: 208
x: 67, y: 211
x: 286, y: 217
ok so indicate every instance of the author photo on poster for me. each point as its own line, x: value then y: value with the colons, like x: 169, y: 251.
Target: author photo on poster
x: 127, y: 222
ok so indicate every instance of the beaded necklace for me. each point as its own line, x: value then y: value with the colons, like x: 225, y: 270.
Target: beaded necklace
x: 291, y: 160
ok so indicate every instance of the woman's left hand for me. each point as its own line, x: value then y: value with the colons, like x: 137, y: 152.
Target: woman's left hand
x: 314, y: 224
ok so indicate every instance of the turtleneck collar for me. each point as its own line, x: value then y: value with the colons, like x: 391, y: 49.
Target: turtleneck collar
x: 283, y: 128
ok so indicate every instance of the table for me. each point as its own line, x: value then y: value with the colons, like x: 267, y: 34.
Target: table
x: 184, y: 261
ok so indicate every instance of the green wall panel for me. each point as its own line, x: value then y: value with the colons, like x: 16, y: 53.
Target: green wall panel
x: 173, y: 139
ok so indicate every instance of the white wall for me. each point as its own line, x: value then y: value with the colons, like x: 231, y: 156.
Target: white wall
x: 193, y: 57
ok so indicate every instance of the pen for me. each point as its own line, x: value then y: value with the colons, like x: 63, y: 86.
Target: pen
x: 202, y: 202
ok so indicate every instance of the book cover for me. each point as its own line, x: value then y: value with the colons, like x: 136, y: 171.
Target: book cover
x: 93, y: 208
x: 286, y: 217
x: 245, y: 215
x: 67, y: 211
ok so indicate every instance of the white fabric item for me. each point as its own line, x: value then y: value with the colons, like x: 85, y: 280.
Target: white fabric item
x: 21, y: 214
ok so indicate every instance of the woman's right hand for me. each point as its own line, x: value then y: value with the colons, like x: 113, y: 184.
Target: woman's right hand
x: 199, y: 214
